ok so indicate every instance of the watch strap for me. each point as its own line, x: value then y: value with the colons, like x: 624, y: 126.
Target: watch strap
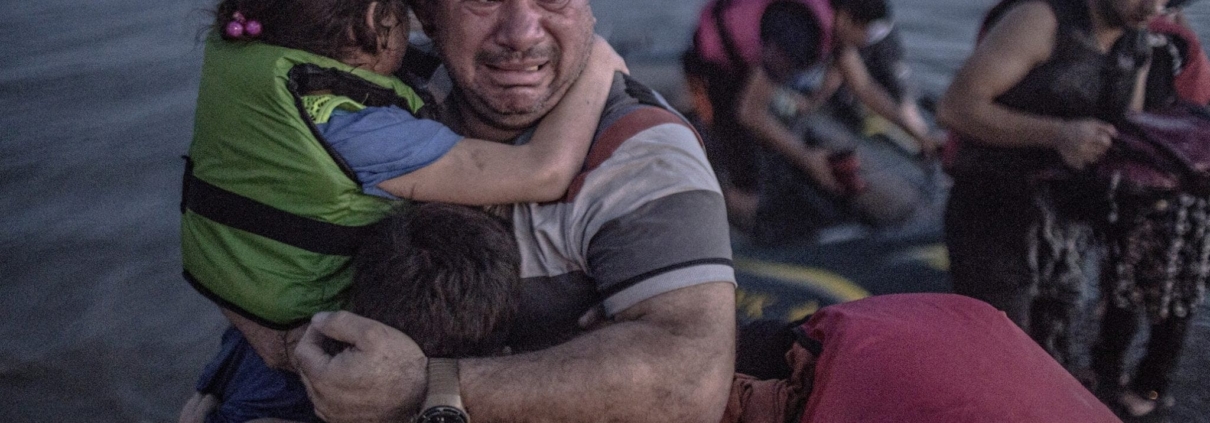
x: 443, y: 389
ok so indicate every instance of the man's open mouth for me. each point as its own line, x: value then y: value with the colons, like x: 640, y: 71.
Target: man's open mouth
x: 530, y: 73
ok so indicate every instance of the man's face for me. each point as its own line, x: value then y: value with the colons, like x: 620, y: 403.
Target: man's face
x: 512, y: 59
x: 1130, y: 13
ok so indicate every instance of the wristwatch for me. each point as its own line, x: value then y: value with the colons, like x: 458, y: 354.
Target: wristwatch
x: 443, y: 403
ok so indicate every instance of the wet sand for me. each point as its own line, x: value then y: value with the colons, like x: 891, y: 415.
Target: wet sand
x: 96, y: 103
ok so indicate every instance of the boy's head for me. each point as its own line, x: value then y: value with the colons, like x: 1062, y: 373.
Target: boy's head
x: 862, y: 22
x: 791, y: 38
x: 445, y: 275
x: 339, y: 29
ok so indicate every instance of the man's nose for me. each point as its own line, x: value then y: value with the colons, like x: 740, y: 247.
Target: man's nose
x: 521, y: 25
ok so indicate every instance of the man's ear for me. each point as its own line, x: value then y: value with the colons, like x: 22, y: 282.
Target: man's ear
x: 387, y: 22
x: 371, y: 12
x: 381, y: 27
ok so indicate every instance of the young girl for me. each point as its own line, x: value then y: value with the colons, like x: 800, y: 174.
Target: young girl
x: 303, y: 139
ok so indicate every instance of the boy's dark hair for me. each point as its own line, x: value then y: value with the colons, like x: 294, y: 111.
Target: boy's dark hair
x: 863, y: 11
x: 446, y: 275
x: 332, y: 28
x: 793, y: 28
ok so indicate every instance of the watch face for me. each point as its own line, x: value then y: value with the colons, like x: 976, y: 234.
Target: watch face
x: 443, y: 414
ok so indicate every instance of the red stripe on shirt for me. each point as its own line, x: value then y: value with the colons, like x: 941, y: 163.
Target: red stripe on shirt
x: 625, y: 128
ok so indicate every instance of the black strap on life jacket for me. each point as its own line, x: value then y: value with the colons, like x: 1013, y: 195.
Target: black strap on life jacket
x: 308, y: 78
x: 243, y: 213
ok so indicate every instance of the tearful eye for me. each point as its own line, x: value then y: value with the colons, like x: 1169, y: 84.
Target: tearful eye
x: 481, y: 3
x: 554, y: 4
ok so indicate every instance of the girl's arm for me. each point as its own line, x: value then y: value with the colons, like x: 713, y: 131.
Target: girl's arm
x: 478, y: 172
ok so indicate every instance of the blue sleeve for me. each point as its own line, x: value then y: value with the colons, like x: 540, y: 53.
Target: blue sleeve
x: 382, y: 143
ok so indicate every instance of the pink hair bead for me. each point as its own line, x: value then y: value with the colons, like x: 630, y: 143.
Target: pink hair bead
x: 234, y: 29
x: 252, y: 28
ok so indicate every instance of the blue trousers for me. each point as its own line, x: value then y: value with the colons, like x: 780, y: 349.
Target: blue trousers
x: 249, y: 389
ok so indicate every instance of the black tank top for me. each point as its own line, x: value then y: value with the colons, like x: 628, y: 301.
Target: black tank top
x: 1078, y: 81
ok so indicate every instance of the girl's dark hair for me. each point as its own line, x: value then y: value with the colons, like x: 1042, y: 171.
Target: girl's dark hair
x: 793, y: 28
x: 332, y: 28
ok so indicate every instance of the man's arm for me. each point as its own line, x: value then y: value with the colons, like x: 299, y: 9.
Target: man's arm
x: 669, y: 358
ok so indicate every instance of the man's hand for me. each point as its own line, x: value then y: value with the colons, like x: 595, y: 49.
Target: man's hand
x: 1085, y: 141
x: 380, y: 378
x: 815, y: 163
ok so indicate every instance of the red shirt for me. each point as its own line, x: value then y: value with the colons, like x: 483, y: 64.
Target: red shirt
x: 937, y: 358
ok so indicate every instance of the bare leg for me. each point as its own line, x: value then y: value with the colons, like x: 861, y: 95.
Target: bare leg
x: 197, y: 408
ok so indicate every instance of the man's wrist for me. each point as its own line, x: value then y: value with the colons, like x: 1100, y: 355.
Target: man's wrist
x: 443, y: 398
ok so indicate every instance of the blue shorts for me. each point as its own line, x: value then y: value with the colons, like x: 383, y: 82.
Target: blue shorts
x: 248, y: 389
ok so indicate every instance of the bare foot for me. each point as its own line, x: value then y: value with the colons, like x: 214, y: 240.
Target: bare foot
x: 1135, y: 404
x: 196, y: 409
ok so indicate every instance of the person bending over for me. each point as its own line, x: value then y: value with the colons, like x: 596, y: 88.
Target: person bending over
x: 835, y: 59
x: 810, y: 175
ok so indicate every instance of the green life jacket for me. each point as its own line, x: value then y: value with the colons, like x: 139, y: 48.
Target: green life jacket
x: 271, y: 215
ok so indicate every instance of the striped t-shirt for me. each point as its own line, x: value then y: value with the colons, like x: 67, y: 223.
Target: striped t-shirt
x: 644, y: 217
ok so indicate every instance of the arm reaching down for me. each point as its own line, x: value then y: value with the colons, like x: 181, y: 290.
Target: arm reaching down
x: 754, y: 114
x: 877, y: 99
x: 479, y: 172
